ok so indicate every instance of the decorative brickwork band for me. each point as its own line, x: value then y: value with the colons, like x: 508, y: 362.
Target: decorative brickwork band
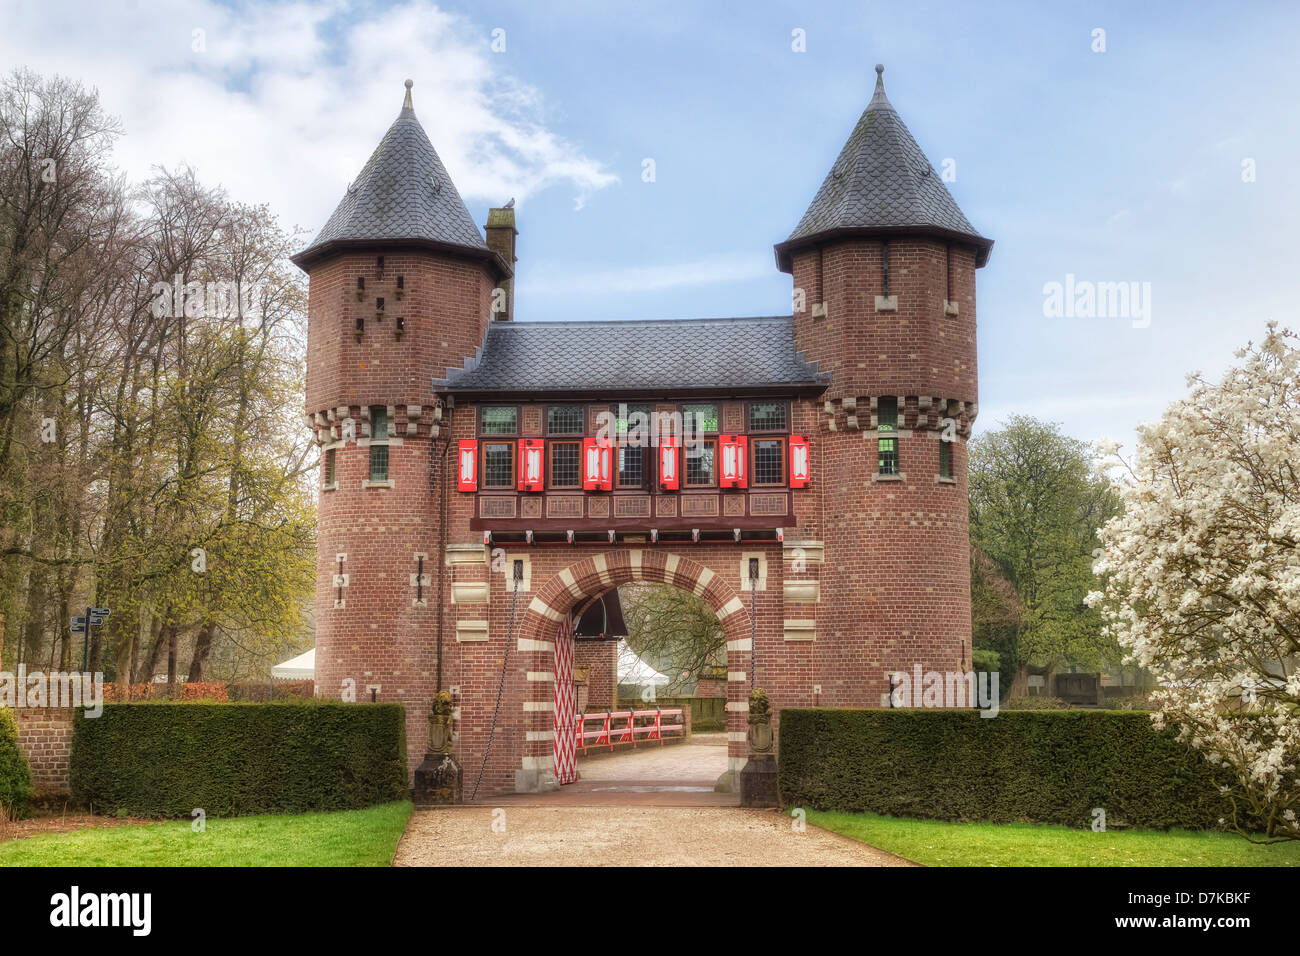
x: 915, y: 413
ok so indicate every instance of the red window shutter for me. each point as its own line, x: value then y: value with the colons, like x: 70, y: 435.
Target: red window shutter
x: 669, y: 479
x: 595, y: 465
x: 799, y: 457
x: 590, y: 465
x: 531, y: 464
x: 734, y: 450
x: 537, y: 464
x: 606, y: 465
x: 467, y: 478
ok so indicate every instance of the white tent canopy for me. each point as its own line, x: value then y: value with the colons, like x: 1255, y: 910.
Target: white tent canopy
x: 302, y: 667
x: 633, y: 670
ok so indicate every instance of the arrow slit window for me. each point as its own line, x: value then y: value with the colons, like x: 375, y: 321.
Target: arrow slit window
x: 887, y: 435
x: 378, y: 436
x: 378, y: 462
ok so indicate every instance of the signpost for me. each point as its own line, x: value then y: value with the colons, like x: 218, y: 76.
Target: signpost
x: 94, y: 617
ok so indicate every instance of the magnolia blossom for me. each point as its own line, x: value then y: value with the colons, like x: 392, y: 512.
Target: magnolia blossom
x: 1202, y: 576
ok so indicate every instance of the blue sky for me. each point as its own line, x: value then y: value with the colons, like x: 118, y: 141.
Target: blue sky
x: 1124, y: 165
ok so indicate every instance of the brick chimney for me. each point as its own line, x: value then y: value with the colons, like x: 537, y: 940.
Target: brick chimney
x: 501, y: 233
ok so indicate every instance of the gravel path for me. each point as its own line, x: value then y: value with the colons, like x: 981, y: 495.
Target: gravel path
x: 702, y: 757
x: 624, y: 836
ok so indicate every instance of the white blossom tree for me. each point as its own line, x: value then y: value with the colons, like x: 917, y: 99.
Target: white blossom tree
x: 1202, y: 576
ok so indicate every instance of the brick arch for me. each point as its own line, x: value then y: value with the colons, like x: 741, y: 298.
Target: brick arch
x: 583, y: 580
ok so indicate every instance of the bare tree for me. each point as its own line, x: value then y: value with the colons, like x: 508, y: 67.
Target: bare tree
x: 673, y: 631
x: 143, y: 418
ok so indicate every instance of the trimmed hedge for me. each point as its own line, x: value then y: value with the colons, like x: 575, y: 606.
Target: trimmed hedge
x: 1020, y: 766
x: 168, y: 759
x: 15, y: 776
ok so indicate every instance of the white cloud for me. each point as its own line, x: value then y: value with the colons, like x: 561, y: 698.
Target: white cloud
x: 286, y: 102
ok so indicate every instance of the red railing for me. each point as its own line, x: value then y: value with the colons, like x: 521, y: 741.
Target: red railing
x: 620, y: 726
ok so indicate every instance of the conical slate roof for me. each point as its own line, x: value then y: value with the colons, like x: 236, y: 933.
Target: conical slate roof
x: 881, y: 184
x: 402, y: 194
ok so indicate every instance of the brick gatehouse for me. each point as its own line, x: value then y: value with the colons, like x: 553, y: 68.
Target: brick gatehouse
x: 819, y: 504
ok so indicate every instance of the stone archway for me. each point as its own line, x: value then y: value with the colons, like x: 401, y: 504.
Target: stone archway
x: 587, y: 578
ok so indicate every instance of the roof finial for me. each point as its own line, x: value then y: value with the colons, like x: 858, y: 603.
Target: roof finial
x: 878, y: 99
x: 406, y: 104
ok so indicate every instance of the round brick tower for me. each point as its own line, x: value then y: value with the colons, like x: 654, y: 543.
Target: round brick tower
x: 884, y: 265
x: 401, y: 290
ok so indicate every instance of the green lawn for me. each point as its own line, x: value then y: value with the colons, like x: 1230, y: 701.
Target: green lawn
x: 936, y: 843
x: 348, y: 838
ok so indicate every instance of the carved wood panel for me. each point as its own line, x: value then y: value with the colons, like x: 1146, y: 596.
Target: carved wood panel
x: 564, y: 506
x: 632, y: 506
x: 699, y: 506
x: 769, y: 504
x: 496, y: 506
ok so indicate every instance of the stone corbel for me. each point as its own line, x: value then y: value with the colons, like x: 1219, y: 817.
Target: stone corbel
x: 851, y: 413
x: 924, y: 408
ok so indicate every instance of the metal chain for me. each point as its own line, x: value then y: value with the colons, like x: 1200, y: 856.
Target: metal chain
x: 505, y: 663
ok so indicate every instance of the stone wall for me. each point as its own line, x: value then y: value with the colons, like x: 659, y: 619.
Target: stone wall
x: 45, y: 738
x: 601, y: 660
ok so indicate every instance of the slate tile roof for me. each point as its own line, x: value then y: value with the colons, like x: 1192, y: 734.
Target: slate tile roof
x: 402, y: 193
x: 660, y: 356
x: 881, y: 181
